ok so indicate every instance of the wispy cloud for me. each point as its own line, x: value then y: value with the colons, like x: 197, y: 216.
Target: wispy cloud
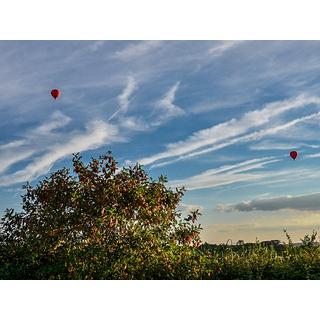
x: 127, y: 92
x: 273, y: 145
x: 97, y: 134
x: 33, y: 141
x: 165, y: 108
x: 133, y: 123
x: 124, y: 97
x: 245, y: 172
x: 10, y: 157
x: 226, y: 174
x: 56, y: 121
x: 221, y: 135
x: 223, y: 46
x: 11, y: 145
x: 129, y: 122
x: 305, y: 202
x: 44, y: 145
x: 137, y: 49
x: 250, y: 137
x: 162, y: 111
x: 313, y: 155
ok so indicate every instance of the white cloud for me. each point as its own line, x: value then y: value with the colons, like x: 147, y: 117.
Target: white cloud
x: 242, y: 172
x: 33, y: 141
x: 97, y: 134
x: 127, y: 92
x: 272, y: 145
x: 314, y: 155
x: 137, y: 49
x: 57, y: 120
x: 124, y: 97
x: 133, y: 124
x: 163, y: 111
x: 166, y: 109
x: 219, y: 136
x: 13, y: 144
x: 253, y: 136
x: 226, y: 175
x: 224, y: 46
x: 10, y: 157
x: 242, y: 139
x: 48, y: 145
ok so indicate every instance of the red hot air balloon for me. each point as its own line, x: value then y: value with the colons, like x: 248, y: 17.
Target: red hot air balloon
x: 55, y: 93
x: 293, y: 154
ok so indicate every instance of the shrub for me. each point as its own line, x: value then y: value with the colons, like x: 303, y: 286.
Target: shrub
x: 100, y: 222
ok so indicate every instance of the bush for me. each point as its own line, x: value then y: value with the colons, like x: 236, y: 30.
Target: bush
x: 257, y: 261
x: 101, y: 222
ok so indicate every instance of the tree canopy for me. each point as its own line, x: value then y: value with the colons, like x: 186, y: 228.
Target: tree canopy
x: 101, y: 222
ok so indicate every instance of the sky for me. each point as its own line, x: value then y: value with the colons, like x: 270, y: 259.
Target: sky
x: 218, y: 117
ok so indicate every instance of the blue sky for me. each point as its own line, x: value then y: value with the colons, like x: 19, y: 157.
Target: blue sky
x: 219, y: 117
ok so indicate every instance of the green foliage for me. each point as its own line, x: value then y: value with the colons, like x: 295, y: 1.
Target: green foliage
x: 256, y: 261
x: 100, y: 223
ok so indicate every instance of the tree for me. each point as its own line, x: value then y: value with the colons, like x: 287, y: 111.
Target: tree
x: 100, y: 222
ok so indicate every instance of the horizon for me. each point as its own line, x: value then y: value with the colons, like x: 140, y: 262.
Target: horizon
x: 219, y: 117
